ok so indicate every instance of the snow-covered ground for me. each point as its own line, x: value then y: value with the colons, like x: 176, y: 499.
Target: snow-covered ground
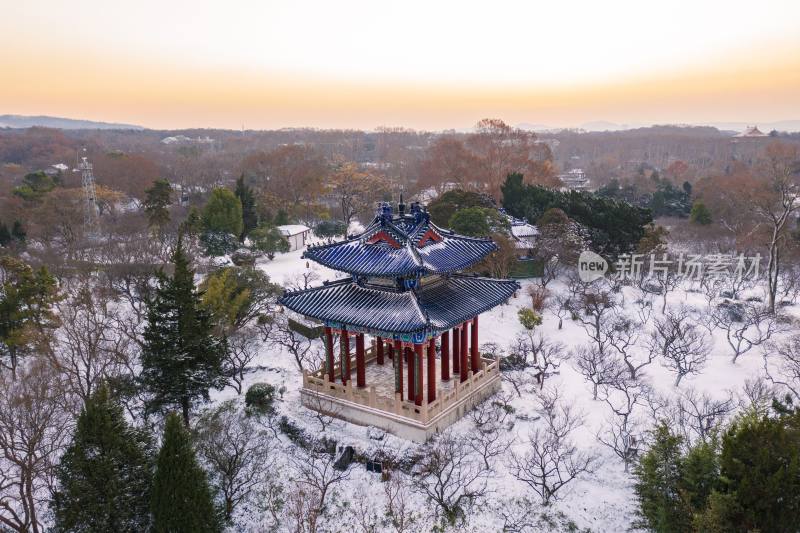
x: 600, y: 501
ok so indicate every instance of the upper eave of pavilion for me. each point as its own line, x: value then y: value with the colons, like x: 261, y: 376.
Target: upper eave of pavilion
x: 420, y: 312
x: 407, y: 245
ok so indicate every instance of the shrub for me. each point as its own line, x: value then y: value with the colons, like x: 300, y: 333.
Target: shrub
x: 538, y: 298
x: 260, y: 398
x: 330, y: 228
x: 529, y: 319
x: 217, y: 244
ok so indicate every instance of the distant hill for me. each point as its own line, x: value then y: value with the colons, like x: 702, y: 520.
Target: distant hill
x: 22, y: 121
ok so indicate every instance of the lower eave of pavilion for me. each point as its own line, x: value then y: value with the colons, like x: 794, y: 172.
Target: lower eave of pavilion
x: 412, y: 316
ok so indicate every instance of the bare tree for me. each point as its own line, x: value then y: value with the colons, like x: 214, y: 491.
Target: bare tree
x: 242, y: 350
x: 551, y: 460
x: 598, y: 368
x: 322, y: 410
x: 682, y: 344
x: 399, y: 507
x: 757, y: 394
x: 302, y: 280
x: 450, y: 476
x: 560, y: 306
x: 622, y: 433
x: 591, y: 306
x: 35, y: 426
x: 238, y: 453
x: 745, y: 325
x: 662, y: 284
x: 789, y: 284
x: 362, y: 512
x: 277, y: 330
x: 699, y: 415
x: 782, y: 364
x: 543, y: 357
x: 775, y: 203
x: 519, y: 515
x: 314, y: 477
x: 622, y: 334
x: 89, y: 347
x: 491, y: 420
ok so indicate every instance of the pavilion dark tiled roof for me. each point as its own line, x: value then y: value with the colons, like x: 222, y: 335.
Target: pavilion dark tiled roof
x: 405, y: 245
x: 433, y: 306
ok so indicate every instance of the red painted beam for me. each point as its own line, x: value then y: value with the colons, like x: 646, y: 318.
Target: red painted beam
x: 476, y: 356
x: 329, y: 354
x: 456, y: 350
x: 445, y: 356
x: 418, y: 354
x: 408, y: 353
x: 344, y: 340
x: 431, y: 370
x: 398, y: 362
x: 361, y: 371
x: 463, y: 353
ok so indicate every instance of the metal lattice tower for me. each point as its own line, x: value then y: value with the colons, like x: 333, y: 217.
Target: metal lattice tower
x: 91, y: 212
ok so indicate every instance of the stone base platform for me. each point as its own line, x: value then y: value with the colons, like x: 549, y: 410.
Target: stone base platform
x: 373, y: 405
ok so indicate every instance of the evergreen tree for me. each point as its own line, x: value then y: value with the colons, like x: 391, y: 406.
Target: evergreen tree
x: 18, y: 232
x: 759, y: 476
x: 5, y: 235
x: 222, y: 213
x: 658, y: 484
x: 156, y: 203
x: 281, y: 218
x: 700, y: 214
x: 181, y: 498
x: 269, y: 240
x: 181, y: 359
x: 249, y: 217
x: 26, y: 300
x: 105, y: 474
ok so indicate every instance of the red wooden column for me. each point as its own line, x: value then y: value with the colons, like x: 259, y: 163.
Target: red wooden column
x: 456, y: 351
x: 344, y: 341
x: 390, y: 351
x: 361, y: 371
x: 408, y: 353
x: 476, y: 356
x: 463, y: 353
x: 379, y: 348
x: 329, y: 354
x: 418, y: 355
x: 432, y: 370
x: 398, y: 366
x: 445, y: 355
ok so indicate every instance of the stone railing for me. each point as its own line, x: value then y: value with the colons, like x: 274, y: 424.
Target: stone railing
x: 428, y: 411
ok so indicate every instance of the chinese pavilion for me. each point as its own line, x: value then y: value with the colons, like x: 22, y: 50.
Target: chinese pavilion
x: 406, y: 292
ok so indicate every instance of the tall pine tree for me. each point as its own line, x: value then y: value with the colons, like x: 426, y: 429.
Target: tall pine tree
x: 249, y: 217
x: 105, y: 474
x: 181, y: 359
x: 181, y: 499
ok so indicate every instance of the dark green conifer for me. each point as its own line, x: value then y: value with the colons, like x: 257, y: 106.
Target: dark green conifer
x: 105, y: 474
x: 181, y: 359
x: 5, y: 235
x: 181, y: 498
x: 249, y: 217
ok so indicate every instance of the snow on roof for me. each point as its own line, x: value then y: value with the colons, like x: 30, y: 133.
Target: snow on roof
x: 524, y: 230
x: 293, y: 229
x: 752, y: 131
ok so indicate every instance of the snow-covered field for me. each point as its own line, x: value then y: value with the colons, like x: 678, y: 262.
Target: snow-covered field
x: 600, y: 501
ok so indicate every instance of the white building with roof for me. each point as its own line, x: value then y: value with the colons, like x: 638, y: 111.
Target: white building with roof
x: 296, y: 235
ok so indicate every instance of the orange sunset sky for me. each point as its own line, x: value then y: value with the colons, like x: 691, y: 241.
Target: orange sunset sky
x: 421, y: 64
